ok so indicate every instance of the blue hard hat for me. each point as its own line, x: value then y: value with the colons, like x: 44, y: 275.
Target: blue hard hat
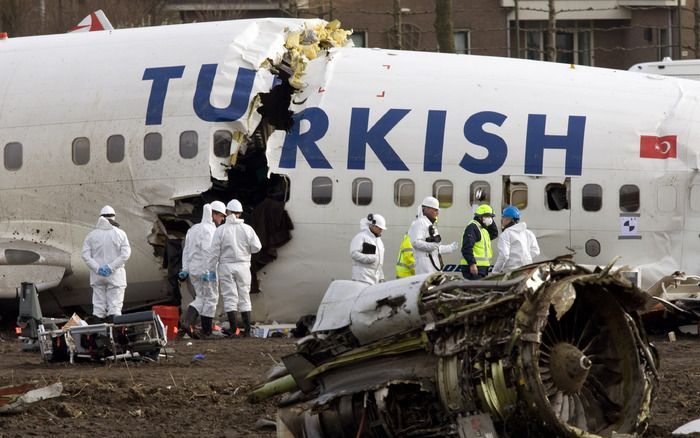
x: 511, y: 211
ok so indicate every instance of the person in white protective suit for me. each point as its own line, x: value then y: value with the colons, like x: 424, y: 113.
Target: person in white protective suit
x: 517, y: 245
x: 195, y: 265
x: 229, y: 255
x: 105, y: 250
x: 425, y: 238
x: 367, y: 250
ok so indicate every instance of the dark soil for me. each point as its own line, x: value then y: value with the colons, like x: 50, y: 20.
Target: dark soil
x: 179, y: 397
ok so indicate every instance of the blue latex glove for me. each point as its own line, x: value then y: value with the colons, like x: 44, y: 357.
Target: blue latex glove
x: 183, y: 275
x: 205, y: 276
x: 104, y: 271
x: 212, y: 275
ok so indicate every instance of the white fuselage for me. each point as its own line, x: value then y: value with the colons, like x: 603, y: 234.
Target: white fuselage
x: 444, y: 122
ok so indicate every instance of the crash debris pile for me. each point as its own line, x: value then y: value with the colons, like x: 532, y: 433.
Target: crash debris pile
x: 137, y: 336
x: 557, y: 351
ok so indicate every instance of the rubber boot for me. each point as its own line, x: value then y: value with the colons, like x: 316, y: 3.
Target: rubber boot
x: 232, y: 323
x: 206, y: 327
x: 246, y: 323
x: 187, y: 321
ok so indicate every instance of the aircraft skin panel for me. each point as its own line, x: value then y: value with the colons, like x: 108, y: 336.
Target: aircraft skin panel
x: 377, y: 114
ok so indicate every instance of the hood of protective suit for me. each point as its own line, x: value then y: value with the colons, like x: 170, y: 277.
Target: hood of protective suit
x: 206, y: 215
x: 518, y: 228
x: 103, y: 224
x: 364, y: 224
x: 232, y: 219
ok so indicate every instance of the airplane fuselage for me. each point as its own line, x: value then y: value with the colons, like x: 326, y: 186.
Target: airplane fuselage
x: 373, y: 131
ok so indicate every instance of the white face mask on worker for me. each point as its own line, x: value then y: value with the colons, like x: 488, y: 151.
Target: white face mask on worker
x: 488, y: 221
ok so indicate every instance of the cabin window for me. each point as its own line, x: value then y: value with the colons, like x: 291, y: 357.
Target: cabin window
x: 322, y: 190
x: 152, y: 146
x: 115, y: 149
x: 222, y: 143
x: 694, y: 196
x: 188, y: 144
x: 81, y: 151
x: 518, y: 195
x: 443, y: 191
x: 629, y: 198
x: 13, y: 156
x: 479, y: 193
x: 666, y: 199
x: 404, y: 192
x: 557, y: 196
x: 592, y: 197
x: 362, y: 191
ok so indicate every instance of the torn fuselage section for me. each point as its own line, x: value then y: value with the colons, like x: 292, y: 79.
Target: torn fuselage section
x: 277, y: 51
x: 557, y: 351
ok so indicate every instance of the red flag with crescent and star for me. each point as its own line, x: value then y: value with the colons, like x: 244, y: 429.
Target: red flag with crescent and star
x: 651, y: 146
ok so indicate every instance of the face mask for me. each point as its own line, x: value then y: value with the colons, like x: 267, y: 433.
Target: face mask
x: 488, y: 221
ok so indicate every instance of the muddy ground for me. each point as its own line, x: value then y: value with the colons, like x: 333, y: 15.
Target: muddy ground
x: 179, y: 397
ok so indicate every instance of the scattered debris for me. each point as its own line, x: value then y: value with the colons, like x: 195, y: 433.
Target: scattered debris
x: 676, y: 303
x: 554, y: 349
x: 273, y: 330
x: 264, y: 424
x: 65, y: 410
x: 15, y: 399
x: 688, y: 428
x: 197, y: 357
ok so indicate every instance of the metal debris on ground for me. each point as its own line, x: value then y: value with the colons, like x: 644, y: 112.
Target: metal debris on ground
x: 675, y: 304
x: 17, y: 398
x: 552, y: 349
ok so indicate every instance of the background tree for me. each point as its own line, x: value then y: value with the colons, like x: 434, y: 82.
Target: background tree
x: 444, y: 27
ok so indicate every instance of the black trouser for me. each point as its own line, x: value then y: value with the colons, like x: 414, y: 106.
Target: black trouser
x: 483, y: 271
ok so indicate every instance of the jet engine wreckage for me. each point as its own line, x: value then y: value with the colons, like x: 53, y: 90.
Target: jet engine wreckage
x: 553, y: 349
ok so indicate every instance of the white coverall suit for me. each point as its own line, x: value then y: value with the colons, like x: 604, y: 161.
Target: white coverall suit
x: 195, y: 261
x: 230, y: 250
x: 106, y: 245
x: 423, y: 250
x: 517, y: 246
x: 367, y: 267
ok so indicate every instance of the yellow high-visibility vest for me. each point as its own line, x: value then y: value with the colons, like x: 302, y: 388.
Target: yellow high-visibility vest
x: 482, y: 249
x: 405, y: 263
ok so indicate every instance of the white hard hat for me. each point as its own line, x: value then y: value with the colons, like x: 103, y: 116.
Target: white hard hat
x: 107, y: 211
x: 378, y: 220
x: 235, y: 206
x: 431, y: 202
x: 218, y: 206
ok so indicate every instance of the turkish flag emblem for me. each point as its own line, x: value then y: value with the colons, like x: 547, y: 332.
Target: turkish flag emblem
x: 657, y: 147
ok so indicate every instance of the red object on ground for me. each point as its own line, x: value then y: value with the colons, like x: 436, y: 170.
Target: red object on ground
x: 170, y: 315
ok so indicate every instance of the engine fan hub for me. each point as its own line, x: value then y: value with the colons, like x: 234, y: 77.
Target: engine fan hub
x: 569, y: 367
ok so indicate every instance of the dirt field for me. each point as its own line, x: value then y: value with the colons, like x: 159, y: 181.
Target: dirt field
x: 178, y: 397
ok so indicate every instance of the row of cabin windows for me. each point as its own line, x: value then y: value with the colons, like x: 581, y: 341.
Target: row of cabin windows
x: 152, y: 148
x: 479, y: 192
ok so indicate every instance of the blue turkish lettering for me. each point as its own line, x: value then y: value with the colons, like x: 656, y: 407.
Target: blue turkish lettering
x: 434, y: 141
x: 240, y: 95
x: 161, y: 77
x: 306, y: 142
x: 537, y: 141
x: 495, y: 145
x: 361, y: 136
